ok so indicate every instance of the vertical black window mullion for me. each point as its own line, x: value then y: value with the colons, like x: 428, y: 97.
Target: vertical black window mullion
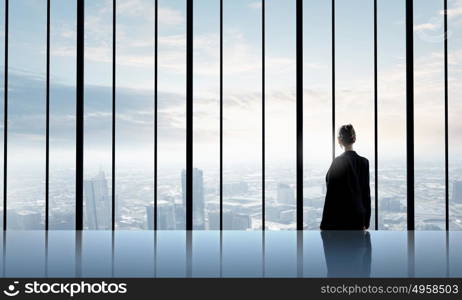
x: 156, y: 29
x: 376, y: 172
x: 221, y: 114
x: 5, y: 120
x: 299, y: 93
x: 410, y: 112
x: 113, y: 109
x: 333, y: 79
x: 79, y: 115
x: 189, y: 115
x: 446, y: 125
x: 47, y: 125
x: 263, y: 113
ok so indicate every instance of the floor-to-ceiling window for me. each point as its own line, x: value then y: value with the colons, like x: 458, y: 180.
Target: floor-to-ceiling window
x: 429, y: 115
x: 354, y: 72
x: 98, y: 115
x: 206, y: 115
x: 171, y: 121
x: 455, y: 111
x: 242, y: 144
x: 62, y: 115
x: 317, y: 108
x: 280, y: 114
x: 26, y: 114
x: 391, y: 79
x: 2, y: 97
x: 134, y: 154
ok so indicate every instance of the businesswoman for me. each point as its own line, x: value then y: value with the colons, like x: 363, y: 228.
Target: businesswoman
x: 348, y: 201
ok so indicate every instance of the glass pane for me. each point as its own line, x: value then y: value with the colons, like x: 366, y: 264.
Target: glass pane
x: 62, y: 114
x: 206, y: 175
x: 98, y: 115
x: 317, y: 107
x: 26, y: 114
x: 455, y: 111
x: 429, y: 116
x: 2, y: 103
x: 392, y: 189
x: 280, y: 112
x: 171, y: 114
x: 134, y: 178
x: 355, y: 77
x: 242, y: 111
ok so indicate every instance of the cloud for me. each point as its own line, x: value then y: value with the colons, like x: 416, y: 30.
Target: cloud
x: 255, y: 5
x: 168, y: 16
x: 455, y: 11
x: 426, y: 26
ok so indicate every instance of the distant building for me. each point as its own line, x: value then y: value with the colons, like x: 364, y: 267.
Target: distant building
x: 213, y: 217
x: 391, y: 204
x: 24, y: 219
x: 166, y: 215
x: 285, y: 194
x: 231, y: 220
x: 457, y: 192
x: 149, y: 217
x: 236, y: 188
x: 198, y: 197
x: 288, y: 216
x: 180, y: 215
x: 61, y: 219
x: 311, y: 215
x: 316, y: 202
x: 97, y: 203
x: 241, y: 222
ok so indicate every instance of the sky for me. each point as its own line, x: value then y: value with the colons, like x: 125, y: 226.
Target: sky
x: 242, y: 79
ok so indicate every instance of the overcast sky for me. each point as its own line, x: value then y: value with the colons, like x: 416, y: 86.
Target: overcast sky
x: 242, y: 79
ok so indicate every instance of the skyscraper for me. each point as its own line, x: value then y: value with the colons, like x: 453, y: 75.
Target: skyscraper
x: 149, y: 217
x: 25, y: 219
x: 457, y: 192
x: 285, y: 194
x: 166, y: 216
x: 198, y: 197
x: 97, y: 203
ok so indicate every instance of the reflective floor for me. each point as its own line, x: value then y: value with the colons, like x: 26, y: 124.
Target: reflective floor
x: 231, y: 254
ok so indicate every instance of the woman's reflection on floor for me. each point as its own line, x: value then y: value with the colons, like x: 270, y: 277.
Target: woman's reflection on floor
x: 348, y: 253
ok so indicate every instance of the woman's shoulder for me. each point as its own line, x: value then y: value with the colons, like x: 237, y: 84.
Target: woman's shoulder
x: 364, y: 160
x: 353, y: 155
x: 340, y: 161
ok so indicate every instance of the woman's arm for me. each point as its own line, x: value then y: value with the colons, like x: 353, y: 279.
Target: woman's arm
x: 367, y: 197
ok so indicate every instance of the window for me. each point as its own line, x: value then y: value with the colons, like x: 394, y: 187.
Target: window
x: 62, y: 115
x: 26, y: 87
x: 242, y: 136
x: 244, y: 118
x: 391, y: 100
x: 171, y: 115
x: 354, y: 71
x: 280, y: 115
x: 134, y: 142
x: 98, y: 116
x: 429, y: 116
x: 455, y: 110
x: 206, y: 139
x: 317, y: 109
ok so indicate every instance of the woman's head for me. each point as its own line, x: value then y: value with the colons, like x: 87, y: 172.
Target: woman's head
x: 346, y: 135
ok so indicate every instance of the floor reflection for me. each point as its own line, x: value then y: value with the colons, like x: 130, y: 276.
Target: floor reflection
x: 231, y: 254
x: 347, y: 253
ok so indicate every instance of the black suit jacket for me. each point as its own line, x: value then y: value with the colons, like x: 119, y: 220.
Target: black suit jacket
x: 348, y: 198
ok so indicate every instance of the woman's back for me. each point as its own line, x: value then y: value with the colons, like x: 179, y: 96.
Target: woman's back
x: 348, y: 203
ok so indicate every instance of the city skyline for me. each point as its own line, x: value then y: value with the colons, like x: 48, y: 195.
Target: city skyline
x: 242, y: 205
